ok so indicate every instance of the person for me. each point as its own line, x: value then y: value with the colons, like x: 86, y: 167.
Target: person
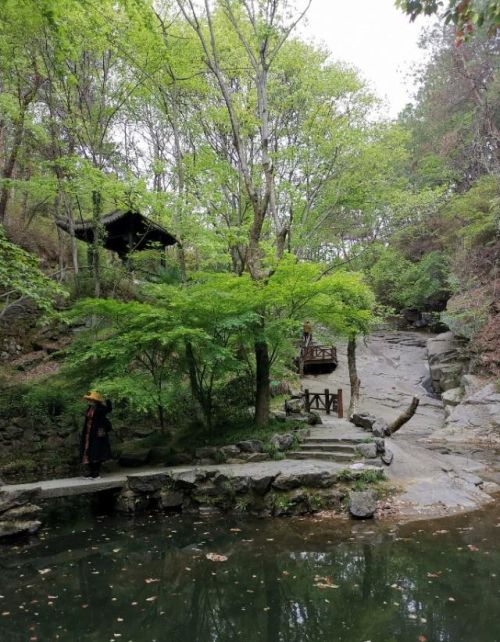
x: 306, y: 333
x: 94, y: 444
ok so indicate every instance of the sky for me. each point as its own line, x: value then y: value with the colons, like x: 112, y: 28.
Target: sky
x: 374, y: 36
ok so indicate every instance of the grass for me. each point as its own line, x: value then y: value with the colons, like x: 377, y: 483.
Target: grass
x: 239, y: 433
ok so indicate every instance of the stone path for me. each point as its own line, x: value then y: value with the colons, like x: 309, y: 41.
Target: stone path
x: 79, y: 486
x: 393, y: 368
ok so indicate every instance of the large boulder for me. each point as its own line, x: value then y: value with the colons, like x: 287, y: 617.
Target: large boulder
x: 362, y: 504
x: 251, y: 446
x: 476, y: 418
x: 363, y: 420
x: 446, y: 361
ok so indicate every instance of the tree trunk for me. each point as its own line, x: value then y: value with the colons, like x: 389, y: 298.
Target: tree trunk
x: 403, y: 417
x: 10, y: 164
x: 97, y: 242
x: 262, y: 381
x: 353, y: 376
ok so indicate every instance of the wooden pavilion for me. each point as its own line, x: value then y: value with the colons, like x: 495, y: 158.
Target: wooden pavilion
x: 126, y: 231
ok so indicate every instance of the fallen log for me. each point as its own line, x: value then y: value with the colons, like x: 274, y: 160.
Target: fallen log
x: 403, y: 417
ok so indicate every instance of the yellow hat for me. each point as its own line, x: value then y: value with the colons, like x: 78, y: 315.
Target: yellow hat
x: 94, y: 396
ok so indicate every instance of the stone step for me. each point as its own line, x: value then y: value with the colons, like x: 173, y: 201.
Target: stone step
x: 335, y: 440
x: 334, y: 448
x: 327, y: 456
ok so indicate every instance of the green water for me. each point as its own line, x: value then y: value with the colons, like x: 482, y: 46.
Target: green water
x: 290, y: 580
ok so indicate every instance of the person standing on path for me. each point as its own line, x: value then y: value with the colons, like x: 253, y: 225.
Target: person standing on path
x: 306, y: 333
x: 94, y: 444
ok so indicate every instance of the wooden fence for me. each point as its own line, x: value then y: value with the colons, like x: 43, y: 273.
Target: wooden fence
x: 326, y: 401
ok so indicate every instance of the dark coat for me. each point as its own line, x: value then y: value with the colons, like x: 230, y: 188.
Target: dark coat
x: 99, y: 446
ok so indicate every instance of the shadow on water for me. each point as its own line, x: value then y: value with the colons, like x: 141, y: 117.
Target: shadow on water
x: 291, y: 580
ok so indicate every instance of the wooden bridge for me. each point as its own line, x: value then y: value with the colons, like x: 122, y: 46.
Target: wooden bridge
x: 325, y: 400
x: 316, y: 359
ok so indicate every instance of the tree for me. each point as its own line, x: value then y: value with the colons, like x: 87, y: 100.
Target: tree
x: 466, y: 15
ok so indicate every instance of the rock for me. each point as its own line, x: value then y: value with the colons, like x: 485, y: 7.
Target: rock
x: 471, y: 384
x: 302, y: 433
x: 380, y: 427
x: 235, y: 460
x: 475, y: 418
x: 16, y: 528
x: 362, y: 504
x: 251, y: 446
x: 231, y: 450
x: 256, y: 457
x: 283, y: 441
x: 367, y: 450
x: 11, y: 499
x: 452, y: 396
x: 147, y: 483
x: 206, y: 452
x: 380, y: 444
x: 187, y: 480
x: 21, y: 513
x: 170, y: 499
x: 363, y: 420
x: 314, y: 479
x: 445, y: 361
x: 205, y: 461
x: 134, y: 458
x: 387, y: 457
x: 286, y: 481
x: 260, y: 483
x: 294, y: 406
x: 279, y: 415
x: 126, y: 501
x: 314, y: 419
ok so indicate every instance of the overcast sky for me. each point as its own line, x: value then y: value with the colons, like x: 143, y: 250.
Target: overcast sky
x: 374, y: 36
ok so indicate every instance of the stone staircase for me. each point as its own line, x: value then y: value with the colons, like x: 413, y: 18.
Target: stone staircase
x: 339, y: 449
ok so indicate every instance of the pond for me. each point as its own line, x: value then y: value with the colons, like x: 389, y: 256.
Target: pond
x: 291, y: 580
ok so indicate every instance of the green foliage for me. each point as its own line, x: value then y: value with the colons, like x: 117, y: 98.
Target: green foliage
x: 370, y: 476
x: 20, y: 276
x: 402, y: 283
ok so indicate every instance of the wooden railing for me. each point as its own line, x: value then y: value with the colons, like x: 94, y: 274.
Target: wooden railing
x: 318, y: 353
x: 326, y: 401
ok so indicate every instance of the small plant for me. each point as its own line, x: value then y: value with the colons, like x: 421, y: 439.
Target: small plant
x: 359, y: 484
x: 219, y: 457
x: 282, y: 503
x: 242, y: 504
x: 316, y: 502
x: 345, y: 475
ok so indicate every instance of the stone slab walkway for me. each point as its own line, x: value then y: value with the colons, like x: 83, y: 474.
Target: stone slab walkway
x: 73, y: 486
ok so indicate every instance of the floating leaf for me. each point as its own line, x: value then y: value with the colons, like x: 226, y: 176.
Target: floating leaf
x: 214, y: 557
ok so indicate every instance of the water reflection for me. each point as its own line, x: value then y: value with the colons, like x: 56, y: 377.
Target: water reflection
x: 284, y: 580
